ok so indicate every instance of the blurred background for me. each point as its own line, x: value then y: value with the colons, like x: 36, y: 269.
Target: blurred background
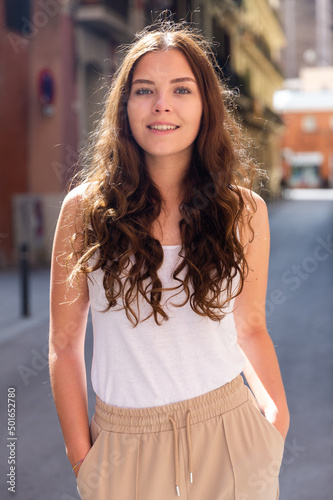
x: 57, y: 58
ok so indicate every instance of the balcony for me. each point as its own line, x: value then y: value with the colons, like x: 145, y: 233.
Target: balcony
x: 107, y: 17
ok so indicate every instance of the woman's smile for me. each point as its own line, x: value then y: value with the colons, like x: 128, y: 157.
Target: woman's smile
x: 162, y: 127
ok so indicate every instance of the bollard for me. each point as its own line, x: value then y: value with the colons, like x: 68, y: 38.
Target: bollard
x: 24, y: 276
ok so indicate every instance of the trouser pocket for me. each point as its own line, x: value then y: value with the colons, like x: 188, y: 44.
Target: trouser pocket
x: 264, y: 420
x: 256, y: 450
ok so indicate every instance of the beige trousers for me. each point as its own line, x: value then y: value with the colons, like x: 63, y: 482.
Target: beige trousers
x: 217, y: 446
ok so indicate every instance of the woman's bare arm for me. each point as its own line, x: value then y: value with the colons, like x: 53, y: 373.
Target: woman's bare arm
x: 261, y: 365
x: 68, y: 319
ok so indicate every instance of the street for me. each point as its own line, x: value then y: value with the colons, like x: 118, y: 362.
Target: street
x: 299, y: 319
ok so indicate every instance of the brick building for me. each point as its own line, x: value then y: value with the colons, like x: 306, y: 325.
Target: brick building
x: 307, y: 143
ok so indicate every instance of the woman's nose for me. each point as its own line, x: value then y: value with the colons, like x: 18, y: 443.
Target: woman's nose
x: 162, y: 104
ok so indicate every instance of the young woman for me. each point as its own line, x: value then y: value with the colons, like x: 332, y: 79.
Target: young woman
x: 170, y: 252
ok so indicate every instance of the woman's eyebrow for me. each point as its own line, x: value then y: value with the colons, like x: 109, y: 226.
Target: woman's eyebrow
x: 183, y: 79
x: 141, y: 81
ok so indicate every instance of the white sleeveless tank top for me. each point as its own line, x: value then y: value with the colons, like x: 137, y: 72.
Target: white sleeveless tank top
x: 150, y: 365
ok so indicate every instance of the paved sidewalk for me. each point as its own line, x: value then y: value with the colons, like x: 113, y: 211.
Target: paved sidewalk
x: 12, y: 323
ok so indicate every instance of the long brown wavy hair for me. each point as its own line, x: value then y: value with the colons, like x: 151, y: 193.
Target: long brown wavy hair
x: 121, y: 201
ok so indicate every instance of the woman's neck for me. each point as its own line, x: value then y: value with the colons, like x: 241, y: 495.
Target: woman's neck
x: 168, y: 173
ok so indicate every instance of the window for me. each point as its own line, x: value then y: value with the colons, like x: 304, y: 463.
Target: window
x: 309, y: 124
x: 17, y: 14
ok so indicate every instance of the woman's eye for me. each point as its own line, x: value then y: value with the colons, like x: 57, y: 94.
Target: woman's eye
x: 143, y: 91
x: 183, y: 90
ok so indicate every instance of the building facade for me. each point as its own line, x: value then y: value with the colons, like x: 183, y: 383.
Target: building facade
x: 57, y: 58
x: 251, y: 39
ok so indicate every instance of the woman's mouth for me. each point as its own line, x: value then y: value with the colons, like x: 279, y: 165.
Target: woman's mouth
x: 162, y: 127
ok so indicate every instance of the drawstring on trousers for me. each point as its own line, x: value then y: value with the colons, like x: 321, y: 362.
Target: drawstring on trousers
x: 189, y: 446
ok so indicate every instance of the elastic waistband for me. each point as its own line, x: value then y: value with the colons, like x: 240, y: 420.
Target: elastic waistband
x: 157, y: 418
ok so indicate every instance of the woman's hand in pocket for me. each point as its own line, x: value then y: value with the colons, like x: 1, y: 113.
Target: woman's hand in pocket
x: 76, y: 470
x: 82, y: 454
x: 280, y: 422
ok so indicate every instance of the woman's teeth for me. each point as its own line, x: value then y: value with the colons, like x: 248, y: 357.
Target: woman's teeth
x: 163, y: 127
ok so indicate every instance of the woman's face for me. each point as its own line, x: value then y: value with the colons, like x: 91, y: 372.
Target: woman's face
x: 165, y: 105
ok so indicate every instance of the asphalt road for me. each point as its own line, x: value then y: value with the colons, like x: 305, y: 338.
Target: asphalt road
x: 299, y: 318
x: 300, y: 321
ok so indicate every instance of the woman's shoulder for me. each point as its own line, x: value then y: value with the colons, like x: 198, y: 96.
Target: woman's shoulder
x: 72, y: 208
x: 253, y: 202
x: 75, y: 197
x: 254, y: 205
x: 254, y: 218
x: 78, y: 193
